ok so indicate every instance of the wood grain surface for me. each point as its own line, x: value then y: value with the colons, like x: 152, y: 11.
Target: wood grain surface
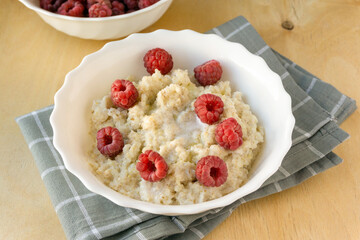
x: 34, y: 59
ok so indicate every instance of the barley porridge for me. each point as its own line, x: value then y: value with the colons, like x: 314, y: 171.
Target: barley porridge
x: 164, y: 120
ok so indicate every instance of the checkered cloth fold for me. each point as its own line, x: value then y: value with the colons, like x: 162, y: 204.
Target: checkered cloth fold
x: 317, y: 106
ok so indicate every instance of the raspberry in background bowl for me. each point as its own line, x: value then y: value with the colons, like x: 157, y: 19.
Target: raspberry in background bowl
x: 101, y: 28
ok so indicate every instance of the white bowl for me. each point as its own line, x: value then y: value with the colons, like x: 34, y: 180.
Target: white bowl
x: 262, y: 89
x: 101, y: 28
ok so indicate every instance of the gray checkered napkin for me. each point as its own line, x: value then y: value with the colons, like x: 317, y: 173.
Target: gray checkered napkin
x: 317, y: 106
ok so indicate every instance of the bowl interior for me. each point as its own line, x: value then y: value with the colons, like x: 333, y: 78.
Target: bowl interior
x: 262, y: 90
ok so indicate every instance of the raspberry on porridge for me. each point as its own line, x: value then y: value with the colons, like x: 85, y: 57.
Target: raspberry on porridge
x: 211, y: 171
x: 208, y: 73
x: 159, y: 59
x: 152, y: 166
x: 208, y: 108
x: 228, y: 134
x: 123, y: 93
x: 109, y: 142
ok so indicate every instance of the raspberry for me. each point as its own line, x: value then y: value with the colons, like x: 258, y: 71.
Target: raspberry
x: 118, y: 8
x: 71, y: 8
x: 211, y: 171
x: 109, y: 141
x: 146, y: 3
x: 100, y: 10
x: 51, y: 5
x: 208, y: 108
x: 89, y: 3
x: 152, y: 166
x: 228, y: 134
x: 92, y: 2
x: 123, y: 93
x: 158, y: 58
x: 208, y: 73
x: 131, y: 4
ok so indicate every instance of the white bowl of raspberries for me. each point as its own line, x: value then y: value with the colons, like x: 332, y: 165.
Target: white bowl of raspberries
x: 99, y: 19
x: 134, y: 56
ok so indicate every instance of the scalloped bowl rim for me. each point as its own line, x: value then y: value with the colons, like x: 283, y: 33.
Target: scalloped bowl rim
x: 122, y: 200
x: 38, y: 9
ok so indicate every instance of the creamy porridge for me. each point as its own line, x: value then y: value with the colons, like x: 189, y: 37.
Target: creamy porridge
x: 164, y: 120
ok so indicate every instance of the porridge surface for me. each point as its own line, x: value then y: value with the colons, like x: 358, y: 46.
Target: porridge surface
x: 164, y: 120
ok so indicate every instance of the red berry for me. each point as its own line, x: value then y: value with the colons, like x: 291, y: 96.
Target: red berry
x: 211, y: 171
x: 109, y: 141
x: 158, y: 58
x: 92, y: 2
x: 123, y: 93
x: 208, y: 73
x: 71, y: 8
x: 51, y: 5
x: 118, y: 8
x: 228, y: 134
x: 152, y: 166
x: 131, y: 4
x: 208, y: 108
x: 146, y: 3
x: 100, y: 10
x: 89, y: 3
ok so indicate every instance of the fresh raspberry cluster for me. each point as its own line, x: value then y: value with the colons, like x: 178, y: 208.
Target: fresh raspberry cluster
x: 109, y: 141
x: 209, y: 107
x: 211, y: 171
x: 152, y: 166
x: 94, y: 8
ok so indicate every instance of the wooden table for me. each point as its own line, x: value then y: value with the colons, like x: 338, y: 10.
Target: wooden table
x: 34, y: 59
